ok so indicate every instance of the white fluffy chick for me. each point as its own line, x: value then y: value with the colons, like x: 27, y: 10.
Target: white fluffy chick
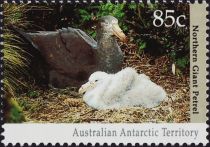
x: 123, y: 89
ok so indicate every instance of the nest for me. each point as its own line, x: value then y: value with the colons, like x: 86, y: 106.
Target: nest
x: 67, y: 106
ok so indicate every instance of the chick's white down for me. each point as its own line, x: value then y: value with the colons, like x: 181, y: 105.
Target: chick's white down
x: 123, y: 89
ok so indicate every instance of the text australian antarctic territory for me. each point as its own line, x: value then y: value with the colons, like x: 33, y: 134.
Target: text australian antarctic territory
x: 123, y: 132
x: 195, y: 69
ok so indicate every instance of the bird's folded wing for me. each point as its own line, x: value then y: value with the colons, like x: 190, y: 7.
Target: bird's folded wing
x: 71, y: 34
x: 65, y: 50
x: 87, y: 38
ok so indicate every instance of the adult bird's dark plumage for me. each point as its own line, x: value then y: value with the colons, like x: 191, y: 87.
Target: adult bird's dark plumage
x: 73, y: 56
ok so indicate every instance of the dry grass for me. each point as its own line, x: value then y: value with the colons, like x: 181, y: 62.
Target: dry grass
x: 66, y: 106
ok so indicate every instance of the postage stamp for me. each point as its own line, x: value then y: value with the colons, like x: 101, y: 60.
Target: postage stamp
x: 96, y: 72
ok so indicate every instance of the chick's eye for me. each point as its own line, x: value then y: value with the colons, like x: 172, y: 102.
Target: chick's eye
x: 96, y: 80
x: 105, y: 23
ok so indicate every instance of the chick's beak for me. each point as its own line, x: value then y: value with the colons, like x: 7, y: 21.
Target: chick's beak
x: 85, y: 87
x: 119, y: 33
x: 82, y: 91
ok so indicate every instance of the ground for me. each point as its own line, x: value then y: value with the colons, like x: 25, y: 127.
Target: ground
x: 67, y: 106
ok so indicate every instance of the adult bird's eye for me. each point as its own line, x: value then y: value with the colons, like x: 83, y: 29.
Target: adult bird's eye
x: 114, y: 21
x: 96, y: 80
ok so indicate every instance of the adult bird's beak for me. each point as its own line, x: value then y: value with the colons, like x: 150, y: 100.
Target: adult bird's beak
x: 85, y: 87
x: 119, y: 33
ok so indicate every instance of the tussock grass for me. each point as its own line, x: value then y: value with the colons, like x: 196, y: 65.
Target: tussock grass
x: 15, y: 58
x: 14, y: 15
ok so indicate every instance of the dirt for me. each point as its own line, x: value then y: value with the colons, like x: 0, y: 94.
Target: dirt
x: 67, y: 106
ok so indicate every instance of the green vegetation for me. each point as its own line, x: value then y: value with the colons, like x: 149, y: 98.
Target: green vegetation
x: 15, y: 59
x: 93, y: 11
x: 32, y: 94
x: 15, y: 113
